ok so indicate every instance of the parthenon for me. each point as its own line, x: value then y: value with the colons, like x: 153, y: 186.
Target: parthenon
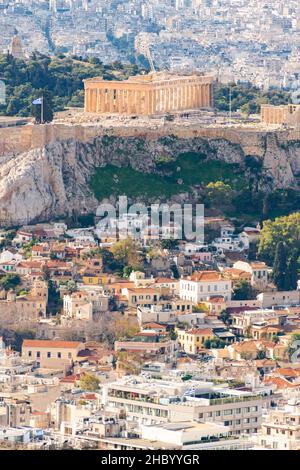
x: 155, y: 93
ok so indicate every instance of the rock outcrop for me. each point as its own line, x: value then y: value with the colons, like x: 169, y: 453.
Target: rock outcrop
x: 53, y: 181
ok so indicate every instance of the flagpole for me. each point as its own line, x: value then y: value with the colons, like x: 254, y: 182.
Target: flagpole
x: 42, y: 110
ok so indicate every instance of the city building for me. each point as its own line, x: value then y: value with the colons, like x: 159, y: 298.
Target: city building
x: 51, y: 354
x: 203, y: 285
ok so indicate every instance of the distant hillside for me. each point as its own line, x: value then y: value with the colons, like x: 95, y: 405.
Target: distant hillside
x: 58, y: 78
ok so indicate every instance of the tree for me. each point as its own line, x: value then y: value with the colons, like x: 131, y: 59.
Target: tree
x: 20, y: 335
x: 71, y: 286
x: 89, y: 382
x: 47, y: 106
x: 10, y: 281
x: 129, y: 362
x: 282, y: 229
x: 201, y: 307
x: 175, y: 271
x: 225, y: 317
x: 169, y: 244
x: 125, y: 327
x: 261, y: 354
x: 293, y: 346
x: 243, y: 291
x: 127, y: 271
x: 280, y: 267
x: 126, y: 252
x: 291, y: 278
x: 214, y: 343
x: 219, y: 195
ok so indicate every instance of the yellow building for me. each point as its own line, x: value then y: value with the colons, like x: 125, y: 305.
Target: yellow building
x: 51, y: 354
x: 193, y: 340
x: 141, y: 296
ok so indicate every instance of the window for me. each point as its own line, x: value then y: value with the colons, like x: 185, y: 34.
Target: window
x: 69, y: 355
x: 49, y: 355
x: 38, y: 354
x: 59, y: 355
x: 29, y: 353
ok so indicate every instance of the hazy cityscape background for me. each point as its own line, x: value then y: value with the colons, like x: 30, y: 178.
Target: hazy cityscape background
x: 254, y: 40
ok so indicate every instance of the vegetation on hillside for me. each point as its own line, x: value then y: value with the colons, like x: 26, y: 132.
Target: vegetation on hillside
x: 247, y: 97
x: 187, y: 170
x: 59, y: 78
x: 223, y: 187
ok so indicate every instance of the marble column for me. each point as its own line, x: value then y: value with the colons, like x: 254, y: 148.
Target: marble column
x: 138, y: 102
x: 154, y: 101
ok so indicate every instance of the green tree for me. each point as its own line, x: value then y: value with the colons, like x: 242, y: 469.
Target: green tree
x: 243, y: 291
x: 169, y: 244
x: 283, y: 229
x: 280, y: 267
x: 127, y: 253
x: 89, y: 382
x: 291, y: 277
x: 214, y: 343
x: 127, y: 271
x: 10, y: 281
x: 219, y: 195
x: 47, y: 107
x: 225, y: 317
x: 293, y: 345
x: 71, y: 286
x: 261, y: 354
x: 20, y: 335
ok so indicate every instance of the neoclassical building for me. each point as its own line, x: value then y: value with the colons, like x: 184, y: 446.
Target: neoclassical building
x: 154, y: 93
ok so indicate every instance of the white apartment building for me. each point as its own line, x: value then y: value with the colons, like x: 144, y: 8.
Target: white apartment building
x: 259, y: 272
x: 193, y: 436
x: 275, y: 298
x: 203, y: 285
x: 84, y: 303
x: 280, y: 429
x: 228, y: 241
x: 160, y: 314
x: 150, y: 402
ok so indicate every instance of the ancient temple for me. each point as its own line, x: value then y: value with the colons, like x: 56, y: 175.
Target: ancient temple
x: 155, y: 93
x: 287, y: 114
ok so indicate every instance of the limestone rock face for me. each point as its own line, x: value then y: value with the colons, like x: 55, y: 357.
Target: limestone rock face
x: 53, y: 181
x: 42, y: 184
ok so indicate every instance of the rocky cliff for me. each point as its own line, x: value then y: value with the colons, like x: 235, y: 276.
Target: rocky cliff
x: 54, y: 180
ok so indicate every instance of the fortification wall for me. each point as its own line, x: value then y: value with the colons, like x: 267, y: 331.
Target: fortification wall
x: 16, y: 140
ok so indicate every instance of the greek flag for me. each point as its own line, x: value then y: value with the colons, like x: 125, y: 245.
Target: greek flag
x: 38, y: 101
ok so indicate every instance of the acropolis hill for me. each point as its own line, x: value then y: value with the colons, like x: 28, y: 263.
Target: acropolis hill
x: 45, y: 170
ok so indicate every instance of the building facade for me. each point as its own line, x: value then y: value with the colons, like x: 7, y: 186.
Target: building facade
x: 281, y: 115
x: 51, y: 354
x: 154, y: 93
x: 204, y: 285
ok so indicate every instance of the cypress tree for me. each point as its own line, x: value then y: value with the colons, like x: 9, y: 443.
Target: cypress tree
x: 280, y: 266
x: 292, y: 272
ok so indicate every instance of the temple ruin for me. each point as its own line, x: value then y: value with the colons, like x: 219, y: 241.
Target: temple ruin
x: 155, y: 93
